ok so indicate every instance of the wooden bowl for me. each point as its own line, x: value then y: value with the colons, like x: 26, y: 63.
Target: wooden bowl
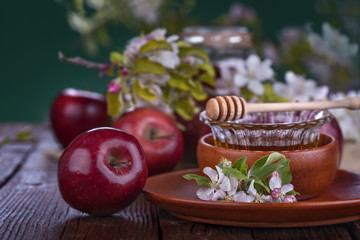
x: 313, y: 170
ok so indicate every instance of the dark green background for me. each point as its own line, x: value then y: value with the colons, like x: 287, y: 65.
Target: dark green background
x: 32, y: 32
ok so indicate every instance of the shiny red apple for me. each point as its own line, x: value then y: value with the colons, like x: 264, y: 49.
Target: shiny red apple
x: 159, y: 136
x: 102, y: 171
x: 194, y: 130
x: 75, y: 111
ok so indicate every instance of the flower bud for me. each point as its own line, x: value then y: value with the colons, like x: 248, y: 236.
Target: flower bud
x: 124, y: 71
x: 273, y: 174
x: 289, y: 199
x: 275, y: 194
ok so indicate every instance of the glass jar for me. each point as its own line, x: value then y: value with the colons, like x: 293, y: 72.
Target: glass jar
x: 220, y: 42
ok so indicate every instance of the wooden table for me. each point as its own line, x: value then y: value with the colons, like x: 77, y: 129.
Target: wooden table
x: 31, y: 206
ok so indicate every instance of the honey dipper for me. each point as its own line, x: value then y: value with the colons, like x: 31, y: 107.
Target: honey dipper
x: 229, y: 108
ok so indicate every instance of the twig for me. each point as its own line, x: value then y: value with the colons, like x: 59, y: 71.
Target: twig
x: 82, y: 62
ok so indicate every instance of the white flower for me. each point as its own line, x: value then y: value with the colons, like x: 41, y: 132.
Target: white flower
x: 332, y: 43
x: 235, y: 195
x: 146, y: 10
x: 278, y: 191
x: 349, y: 120
x: 241, y: 196
x: 252, y: 72
x: 218, y: 186
x: 226, y: 162
x: 225, y: 84
x: 258, y: 197
x: 167, y: 58
x: 80, y: 23
x: 297, y: 88
x: 205, y: 193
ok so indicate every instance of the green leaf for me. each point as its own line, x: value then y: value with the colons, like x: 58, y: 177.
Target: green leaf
x: 206, y: 78
x: 197, y: 92
x: 180, y: 82
x: 116, y: 58
x: 274, y: 157
x: 146, y: 93
x: 263, y: 161
x: 267, y: 170
x: 185, y: 108
x: 234, y: 172
x: 154, y: 45
x: 292, y: 192
x: 269, y: 94
x: 258, y: 165
x: 284, y: 172
x: 183, y: 44
x: 200, y: 180
x: 207, y: 68
x: 166, y: 91
x: 241, y: 165
x: 186, y: 69
x: 193, y: 52
x: 114, y: 104
x: 258, y: 183
x: 144, y: 65
x: 24, y: 135
x: 4, y: 141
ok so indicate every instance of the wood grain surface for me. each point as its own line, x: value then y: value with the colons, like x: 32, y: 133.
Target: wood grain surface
x: 31, y: 206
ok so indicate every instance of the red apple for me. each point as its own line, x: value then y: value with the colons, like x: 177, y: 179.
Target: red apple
x: 194, y: 130
x: 159, y: 136
x: 333, y: 128
x: 75, y: 111
x: 102, y: 171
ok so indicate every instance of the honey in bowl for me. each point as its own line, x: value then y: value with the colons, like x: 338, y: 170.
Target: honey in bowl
x: 269, y: 131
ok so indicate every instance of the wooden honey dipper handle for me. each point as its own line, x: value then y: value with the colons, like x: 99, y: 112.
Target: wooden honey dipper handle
x: 228, y: 108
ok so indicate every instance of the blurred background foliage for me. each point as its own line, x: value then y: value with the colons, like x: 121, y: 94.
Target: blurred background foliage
x: 34, y: 31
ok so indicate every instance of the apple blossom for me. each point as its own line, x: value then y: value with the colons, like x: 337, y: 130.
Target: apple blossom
x: 168, y: 59
x: 297, y: 88
x: 225, y: 83
x: 218, y: 182
x: 278, y: 191
x: 332, y: 43
x: 258, y: 197
x: 289, y: 199
x: 231, y: 184
x: 349, y: 121
x: 252, y: 72
x: 146, y: 10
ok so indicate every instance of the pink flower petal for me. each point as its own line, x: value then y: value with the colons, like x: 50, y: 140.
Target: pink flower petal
x: 113, y: 87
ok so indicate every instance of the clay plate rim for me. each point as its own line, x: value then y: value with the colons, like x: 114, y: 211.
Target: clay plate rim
x: 339, y: 203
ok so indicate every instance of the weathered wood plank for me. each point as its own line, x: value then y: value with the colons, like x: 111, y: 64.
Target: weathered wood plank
x: 31, y: 206
x: 138, y: 221
x: 319, y: 232
x: 175, y: 228
x: 12, y: 155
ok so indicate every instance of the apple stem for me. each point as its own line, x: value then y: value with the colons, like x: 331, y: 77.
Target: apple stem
x: 152, y: 134
x: 115, y: 163
x: 164, y: 136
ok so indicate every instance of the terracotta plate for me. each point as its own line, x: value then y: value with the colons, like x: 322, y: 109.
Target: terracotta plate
x: 339, y: 203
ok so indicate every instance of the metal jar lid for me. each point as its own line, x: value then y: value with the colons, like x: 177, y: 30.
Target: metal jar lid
x: 218, y: 37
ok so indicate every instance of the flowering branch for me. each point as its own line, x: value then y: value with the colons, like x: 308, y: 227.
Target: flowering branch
x: 85, y: 63
x: 268, y: 180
